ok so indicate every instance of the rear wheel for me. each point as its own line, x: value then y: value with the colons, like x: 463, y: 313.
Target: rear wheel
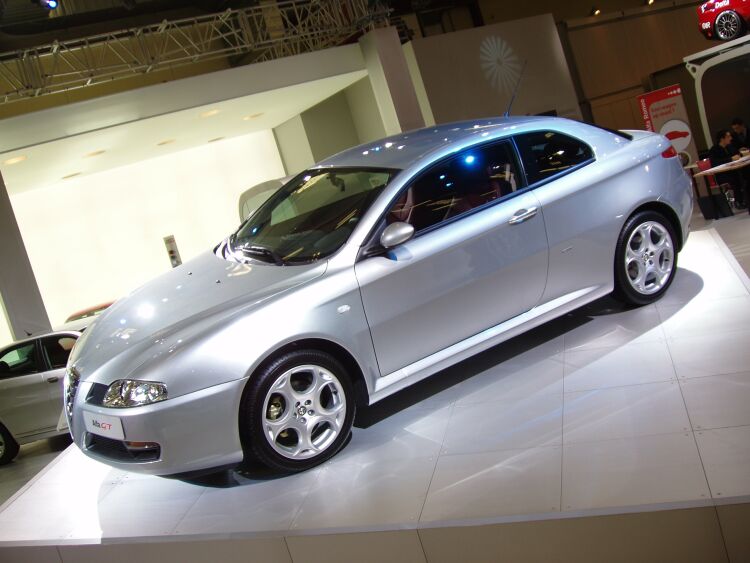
x: 729, y: 25
x: 645, y: 258
x: 297, y: 412
x: 8, y: 446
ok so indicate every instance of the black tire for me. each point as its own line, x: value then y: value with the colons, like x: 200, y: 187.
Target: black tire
x: 624, y: 289
x: 252, y: 417
x: 729, y: 25
x: 8, y: 448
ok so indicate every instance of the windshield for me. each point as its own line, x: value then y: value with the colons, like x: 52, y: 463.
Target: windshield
x: 311, y: 217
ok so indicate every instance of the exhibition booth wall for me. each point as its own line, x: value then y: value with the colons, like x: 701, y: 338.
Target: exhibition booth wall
x: 473, y: 73
x: 95, y: 238
x: 615, y: 53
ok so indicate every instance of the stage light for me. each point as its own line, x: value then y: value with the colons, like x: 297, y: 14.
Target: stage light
x: 49, y: 4
x: 595, y: 11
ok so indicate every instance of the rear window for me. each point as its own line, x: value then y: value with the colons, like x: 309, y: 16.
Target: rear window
x: 548, y: 153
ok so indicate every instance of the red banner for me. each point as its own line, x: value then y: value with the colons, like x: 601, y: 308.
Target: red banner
x: 664, y: 112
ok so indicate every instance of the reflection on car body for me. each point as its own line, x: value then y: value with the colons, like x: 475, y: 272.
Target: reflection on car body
x: 374, y: 269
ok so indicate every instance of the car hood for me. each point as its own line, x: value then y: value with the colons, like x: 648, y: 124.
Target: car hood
x: 175, y: 308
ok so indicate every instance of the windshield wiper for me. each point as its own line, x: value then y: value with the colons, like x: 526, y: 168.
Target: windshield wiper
x: 258, y: 250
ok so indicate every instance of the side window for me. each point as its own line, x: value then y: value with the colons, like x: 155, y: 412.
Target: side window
x: 57, y: 349
x: 546, y: 153
x: 20, y: 360
x: 469, y: 180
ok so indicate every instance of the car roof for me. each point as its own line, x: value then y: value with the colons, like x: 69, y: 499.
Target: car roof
x: 405, y: 149
x: 34, y: 337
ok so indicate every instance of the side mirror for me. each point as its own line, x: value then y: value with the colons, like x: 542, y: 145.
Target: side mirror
x: 395, y: 234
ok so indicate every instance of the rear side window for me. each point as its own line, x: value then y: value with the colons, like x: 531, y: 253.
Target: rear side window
x: 547, y: 153
x: 57, y: 349
x: 471, y: 179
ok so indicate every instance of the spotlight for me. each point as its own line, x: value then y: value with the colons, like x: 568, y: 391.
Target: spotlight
x: 649, y: 2
x: 49, y: 4
x: 595, y: 11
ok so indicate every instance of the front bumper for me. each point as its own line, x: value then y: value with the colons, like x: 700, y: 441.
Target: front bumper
x: 194, y: 432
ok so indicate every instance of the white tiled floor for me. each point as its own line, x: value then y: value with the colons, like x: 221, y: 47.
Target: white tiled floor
x: 605, y: 409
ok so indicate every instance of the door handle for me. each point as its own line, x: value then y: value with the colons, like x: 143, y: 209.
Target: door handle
x: 53, y: 379
x: 523, y: 215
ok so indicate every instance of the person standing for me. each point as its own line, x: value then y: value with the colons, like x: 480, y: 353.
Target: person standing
x: 739, y: 134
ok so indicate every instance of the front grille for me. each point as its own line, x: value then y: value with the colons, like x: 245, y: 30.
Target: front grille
x: 96, y: 393
x: 117, y: 450
x: 74, y: 379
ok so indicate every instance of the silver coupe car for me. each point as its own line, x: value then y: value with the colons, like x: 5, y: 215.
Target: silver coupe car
x: 374, y: 269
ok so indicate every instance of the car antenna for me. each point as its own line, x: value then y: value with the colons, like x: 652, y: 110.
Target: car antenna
x: 515, y: 90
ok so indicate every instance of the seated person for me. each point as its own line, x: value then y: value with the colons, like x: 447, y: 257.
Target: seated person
x: 721, y: 153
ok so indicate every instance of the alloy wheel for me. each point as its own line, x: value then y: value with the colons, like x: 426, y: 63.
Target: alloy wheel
x: 649, y: 257
x: 304, y: 412
x: 728, y: 25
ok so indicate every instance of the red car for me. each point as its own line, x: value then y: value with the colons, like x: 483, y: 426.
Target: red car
x: 724, y: 19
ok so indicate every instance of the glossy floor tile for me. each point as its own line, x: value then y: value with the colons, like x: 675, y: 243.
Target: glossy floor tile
x: 718, y: 401
x: 539, y: 376
x: 608, y: 323
x: 630, y: 364
x: 703, y: 317
x: 710, y: 354
x: 504, y: 425
x: 585, y: 413
x: 726, y: 457
x: 624, y: 412
x: 487, y: 485
x: 632, y: 472
x: 249, y: 505
x: 413, y: 432
x: 377, y: 493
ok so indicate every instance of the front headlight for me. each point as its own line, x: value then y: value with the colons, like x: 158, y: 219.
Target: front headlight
x: 128, y: 393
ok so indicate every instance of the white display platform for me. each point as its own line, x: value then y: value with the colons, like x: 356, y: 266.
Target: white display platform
x: 605, y: 411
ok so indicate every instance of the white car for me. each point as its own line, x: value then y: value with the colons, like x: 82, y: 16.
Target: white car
x: 31, y: 390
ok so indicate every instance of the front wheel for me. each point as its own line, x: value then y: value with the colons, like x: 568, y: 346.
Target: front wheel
x: 297, y: 411
x: 645, y: 258
x: 8, y: 446
x: 729, y: 25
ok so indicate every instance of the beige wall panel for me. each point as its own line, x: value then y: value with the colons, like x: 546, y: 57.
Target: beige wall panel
x: 471, y: 74
x: 267, y: 550
x: 686, y: 536
x: 735, y: 525
x: 329, y: 127
x: 294, y: 147
x: 47, y: 554
x: 603, y: 60
x: 621, y: 53
x: 619, y: 111
x: 364, y: 111
x: 372, y: 547
x: 494, y: 11
x: 419, y: 88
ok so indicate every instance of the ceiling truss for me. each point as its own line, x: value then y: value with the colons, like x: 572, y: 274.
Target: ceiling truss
x: 263, y: 32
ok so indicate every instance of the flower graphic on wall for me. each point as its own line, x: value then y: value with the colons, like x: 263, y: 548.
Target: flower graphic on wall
x: 500, y: 64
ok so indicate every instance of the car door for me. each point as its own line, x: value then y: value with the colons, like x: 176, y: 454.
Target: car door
x: 579, y: 210
x: 24, y: 391
x: 55, y: 351
x: 478, y: 258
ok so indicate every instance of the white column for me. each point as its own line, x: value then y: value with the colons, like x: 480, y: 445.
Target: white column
x: 19, y: 292
x: 391, y: 81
